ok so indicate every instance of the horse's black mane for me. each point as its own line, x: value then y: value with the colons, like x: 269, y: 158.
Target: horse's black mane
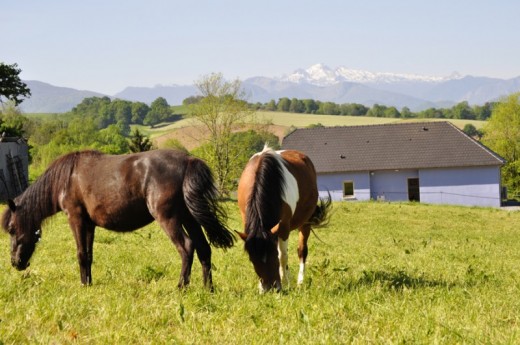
x: 265, y: 202
x: 41, y: 199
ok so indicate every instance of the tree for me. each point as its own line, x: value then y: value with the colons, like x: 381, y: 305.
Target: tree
x: 139, y: 111
x: 502, y: 135
x: 296, y: 106
x: 139, y: 142
x: 159, y: 111
x: 310, y: 106
x: 12, y: 122
x: 377, y: 111
x: 406, y: 113
x: 271, y: 105
x: 221, y: 111
x: 470, y: 130
x: 462, y: 110
x: 284, y: 104
x: 392, y: 112
x: 11, y: 86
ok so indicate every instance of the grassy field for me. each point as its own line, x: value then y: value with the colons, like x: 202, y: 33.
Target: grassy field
x: 382, y: 273
x: 282, y: 123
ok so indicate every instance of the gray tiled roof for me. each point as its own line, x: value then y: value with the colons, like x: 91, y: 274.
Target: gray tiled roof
x: 412, y: 145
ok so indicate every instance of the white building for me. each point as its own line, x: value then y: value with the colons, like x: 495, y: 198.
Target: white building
x: 431, y: 162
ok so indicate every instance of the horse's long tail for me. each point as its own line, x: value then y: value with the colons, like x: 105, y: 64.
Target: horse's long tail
x: 321, y: 214
x: 201, y: 198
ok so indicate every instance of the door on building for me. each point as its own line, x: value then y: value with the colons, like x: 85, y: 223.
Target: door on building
x: 413, y: 189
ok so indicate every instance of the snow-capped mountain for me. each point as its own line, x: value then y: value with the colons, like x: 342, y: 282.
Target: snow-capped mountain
x: 344, y: 85
x: 322, y: 75
x: 318, y: 82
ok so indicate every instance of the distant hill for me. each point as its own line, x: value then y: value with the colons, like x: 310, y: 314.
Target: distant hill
x: 318, y: 82
x: 47, y: 98
x: 174, y: 94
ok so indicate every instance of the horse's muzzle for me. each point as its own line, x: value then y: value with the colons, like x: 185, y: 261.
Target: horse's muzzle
x: 19, y: 265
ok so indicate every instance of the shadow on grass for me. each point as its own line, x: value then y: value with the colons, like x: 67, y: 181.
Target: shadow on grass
x: 399, y: 280
x: 393, y: 280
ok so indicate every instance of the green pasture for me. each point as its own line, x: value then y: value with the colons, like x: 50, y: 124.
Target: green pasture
x: 380, y: 273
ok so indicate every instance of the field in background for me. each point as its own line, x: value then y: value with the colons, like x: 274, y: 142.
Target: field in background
x: 281, y: 123
x: 381, y: 273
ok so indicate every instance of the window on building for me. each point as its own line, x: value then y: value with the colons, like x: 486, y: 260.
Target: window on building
x: 348, y: 189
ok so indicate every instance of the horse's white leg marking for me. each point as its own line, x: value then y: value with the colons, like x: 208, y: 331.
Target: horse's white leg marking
x: 283, y: 257
x: 302, y: 272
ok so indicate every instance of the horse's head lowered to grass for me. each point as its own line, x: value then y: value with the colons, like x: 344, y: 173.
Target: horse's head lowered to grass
x: 23, y: 236
x: 277, y: 193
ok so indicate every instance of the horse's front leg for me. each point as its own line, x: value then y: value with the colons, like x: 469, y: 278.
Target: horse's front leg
x: 83, y: 231
x: 304, y: 233
x: 283, y: 257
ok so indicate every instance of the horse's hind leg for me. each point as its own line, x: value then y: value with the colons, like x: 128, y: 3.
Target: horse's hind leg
x: 203, y: 249
x: 304, y: 233
x: 184, y: 246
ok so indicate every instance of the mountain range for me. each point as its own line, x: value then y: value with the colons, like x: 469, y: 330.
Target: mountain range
x: 318, y: 82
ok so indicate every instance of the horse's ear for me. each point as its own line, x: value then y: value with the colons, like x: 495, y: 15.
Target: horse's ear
x: 242, y: 235
x: 11, y: 204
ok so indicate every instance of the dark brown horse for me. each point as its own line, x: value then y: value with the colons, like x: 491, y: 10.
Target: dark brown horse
x: 277, y: 193
x: 123, y: 193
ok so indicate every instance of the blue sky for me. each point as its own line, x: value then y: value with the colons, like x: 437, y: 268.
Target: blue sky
x: 104, y: 45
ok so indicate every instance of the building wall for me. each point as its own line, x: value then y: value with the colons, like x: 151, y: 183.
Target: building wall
x: 478, y: 186
x: 390, y: 185
x: 333, y: 183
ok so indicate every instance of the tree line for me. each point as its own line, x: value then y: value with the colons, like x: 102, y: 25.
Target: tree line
x: 461, y: 110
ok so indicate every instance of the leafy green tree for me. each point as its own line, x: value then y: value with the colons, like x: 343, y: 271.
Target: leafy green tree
x: 271, y: 105
x: 11, y: 86
x: 483, y: 112
x: 42, y: 131
x: 377, y: 111
x: 12, y: 122
x: 139, y: 142
x: 392, y: 112
x: 284, y: 104
x: 462, y: 110
x: 470, y: 130
x: 328, y: 108
x: 122, y: 111
x: 406, y: 113
x: 310, y: 106
x: 139, y: 111
x: 220, y: 112
x: 431, y: 113
x: 159, y: 111
x: 502, y: 135
x: 296, y: 106
x: 111, y: 140
x: 353, y: 109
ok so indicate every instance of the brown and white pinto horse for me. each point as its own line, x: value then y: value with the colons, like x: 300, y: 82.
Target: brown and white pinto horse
x: 277, y: 193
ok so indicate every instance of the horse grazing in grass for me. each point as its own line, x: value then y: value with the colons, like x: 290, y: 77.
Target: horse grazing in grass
x: 277, y: 193
x: 123, y: 193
